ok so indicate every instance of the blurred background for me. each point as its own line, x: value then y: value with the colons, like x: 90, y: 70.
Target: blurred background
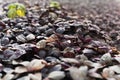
x: 70, y: 4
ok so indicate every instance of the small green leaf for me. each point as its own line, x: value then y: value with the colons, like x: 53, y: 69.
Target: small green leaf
x: 12, y: 13
x: 11, y: 6
x: 20, y: 6
x: 55, y: 4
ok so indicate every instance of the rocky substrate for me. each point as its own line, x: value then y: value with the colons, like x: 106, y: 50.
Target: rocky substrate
x: 59, y: 44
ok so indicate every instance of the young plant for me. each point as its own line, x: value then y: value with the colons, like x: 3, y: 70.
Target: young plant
x: 55, y: 4
x: 16, y: 10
